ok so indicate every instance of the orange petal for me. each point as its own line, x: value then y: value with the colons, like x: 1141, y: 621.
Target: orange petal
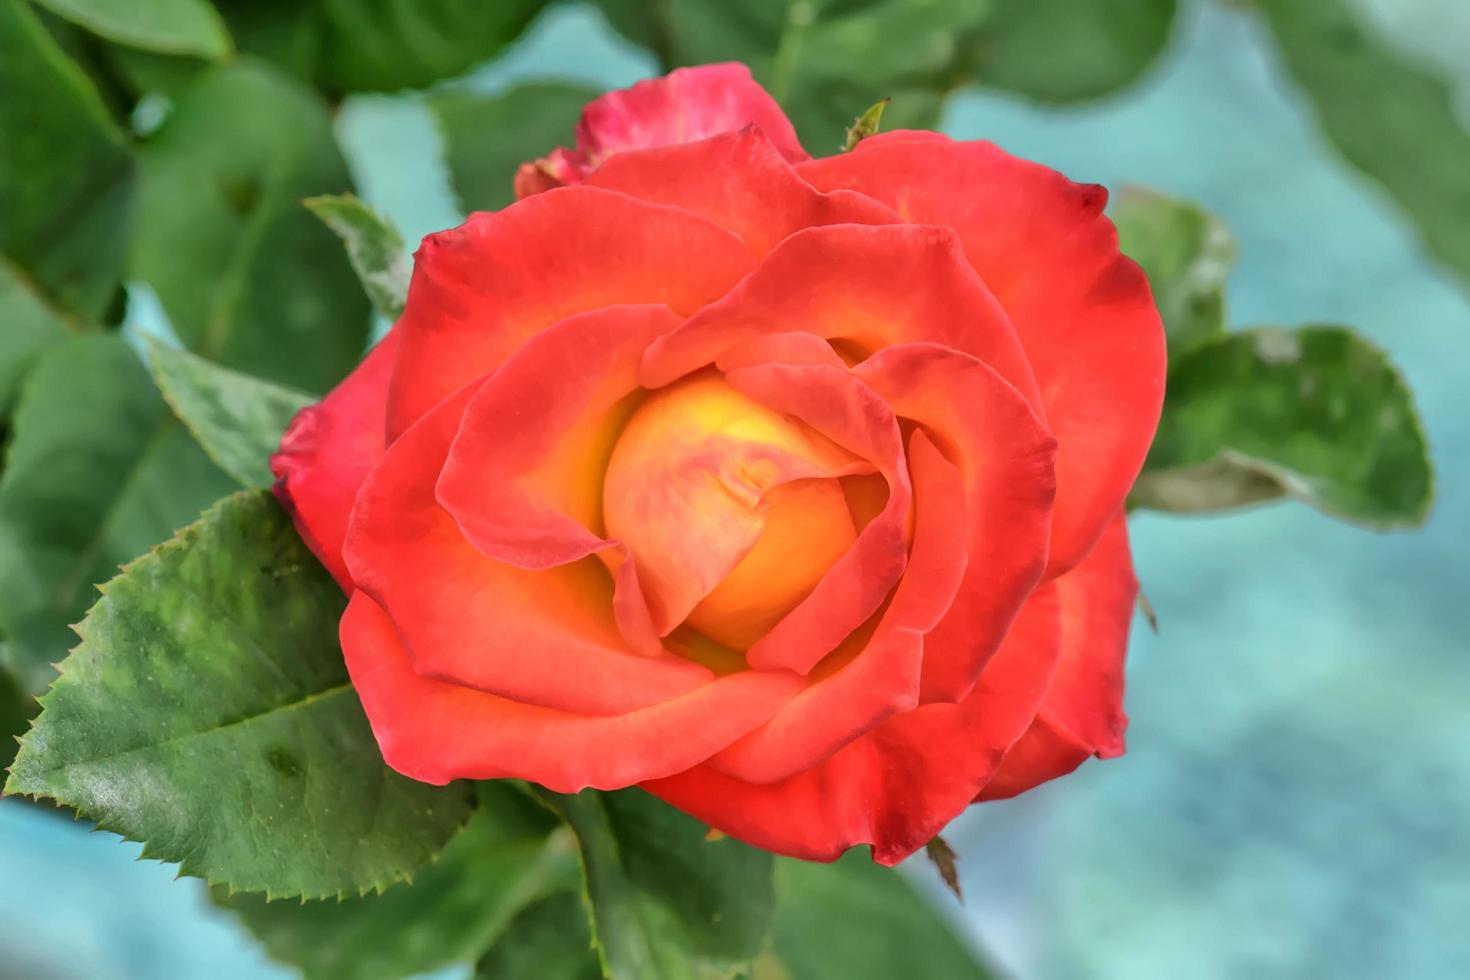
x: 1083, y: 311
x: 740, y: 182
x: 435, y: 731
x: 469, y: 619
x: 481, y: 290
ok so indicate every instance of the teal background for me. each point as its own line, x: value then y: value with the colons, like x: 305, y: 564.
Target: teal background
x: 1296, y: 797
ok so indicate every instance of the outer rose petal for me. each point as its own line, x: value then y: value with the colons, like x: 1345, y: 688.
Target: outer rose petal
x: 535, y: 636
x: 1006, y: 456
x: 871, y: 285
x: 740, y: 182
x: 435, y: 731
x: 1084, y: 312
x: 856, y: 688
x: 328, y: 450
x: 1083, y: 714
x: 686, y: 104
x: 479, y: 291
x: 897, y: 786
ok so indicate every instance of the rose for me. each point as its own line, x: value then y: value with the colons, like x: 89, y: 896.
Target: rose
x: 790, y: 490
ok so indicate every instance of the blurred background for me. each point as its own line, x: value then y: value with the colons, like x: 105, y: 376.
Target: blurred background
x: 1295, y: 801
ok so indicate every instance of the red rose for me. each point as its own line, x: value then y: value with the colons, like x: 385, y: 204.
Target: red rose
x: 790, y: 490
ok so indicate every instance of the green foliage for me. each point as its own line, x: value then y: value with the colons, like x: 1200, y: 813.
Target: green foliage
x: 549, y: 940
x: 665, y: 901
x: 377, y: 45
x: 504, y: 860
x: 1389, y: 117
x: 237, y: 419
x: 824, y: 59
x: 860, y: 921
x: 374, y: 247
x: 28, y: 326
x: 208, y: 712
x: 249, y: 278
x: 1318, y: 414
x: 13, y: 718
x: 66, y: 177
x: 486, y: 138
x: 1061, y: 50
x: 166, y: 26
x: 1187, y: 254
x: 96, y: 472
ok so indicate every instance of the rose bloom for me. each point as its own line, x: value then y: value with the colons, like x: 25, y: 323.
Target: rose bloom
x: 787, y: 489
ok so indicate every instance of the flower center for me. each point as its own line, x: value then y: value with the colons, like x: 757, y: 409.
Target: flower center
x: 732, y: 512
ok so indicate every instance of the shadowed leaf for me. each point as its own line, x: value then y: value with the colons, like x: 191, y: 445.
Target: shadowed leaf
x: 666, y: 902
x: 455, y: 908
x: 166, y: 26
x: 96, y: 472
x: 248, y: 278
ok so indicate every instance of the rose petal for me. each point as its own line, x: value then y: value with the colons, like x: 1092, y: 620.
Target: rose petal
x: 524, y: 474
x: 852, y: 692
x: 1083, y: 311
x: 326, y: 453
x: 1082, y: 715
x: 832, y: 401
x: 1006, y: 456
x: 700, y: 473
x: 435, y: 731
x: 741, y: 183
x: 534, y: 636
x: 869, y: 286
x: 897, y: 786
x: 684, y: 105
x: 481, y: 290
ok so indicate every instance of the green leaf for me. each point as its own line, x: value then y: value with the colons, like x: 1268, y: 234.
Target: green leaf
x: 373, y: 245
x: 1061, y: 50
x: 237, y: 419
x: 1187, y: 254
x: 548, y: 940
x: 455, y: 908
x: 207, y: 712
x: 378, y: 45
x: 66, y: 175
x: 28, y: 326
x: 385, y: 45
x: 860, y: 921
x: 1317, y: 413
x: 95, y: 473
x: 248, y: 278
x: 1390, y: 118
x: 13, y: 718
x: 166, y: 26
x: 665, y: 901
x: 486, y: 138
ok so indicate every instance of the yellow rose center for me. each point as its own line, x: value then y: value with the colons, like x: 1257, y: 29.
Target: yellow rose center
x: 732, y: 512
